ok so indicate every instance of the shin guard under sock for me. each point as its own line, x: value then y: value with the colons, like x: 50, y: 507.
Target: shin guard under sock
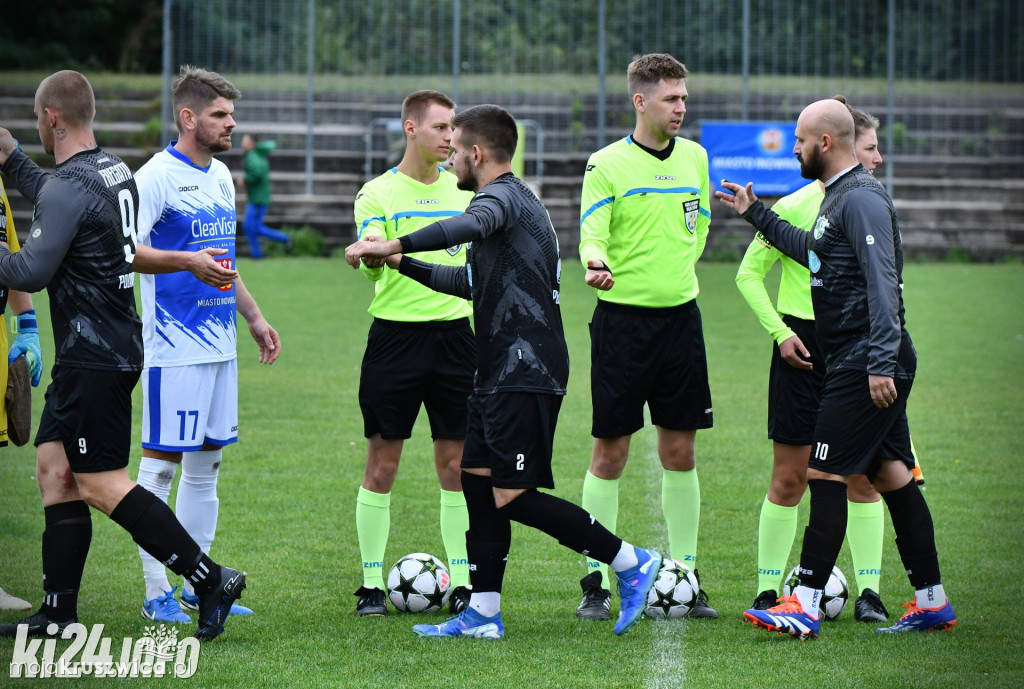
x: 154, y: 527
x: 915, y: 534
x: 65, y: 548
x: 823, y: 536
x: 489, y: 535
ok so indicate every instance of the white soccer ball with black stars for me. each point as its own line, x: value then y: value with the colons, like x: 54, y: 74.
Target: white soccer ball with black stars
x: 419, y: 582
x: 674, y: 592
x: 835, y: 597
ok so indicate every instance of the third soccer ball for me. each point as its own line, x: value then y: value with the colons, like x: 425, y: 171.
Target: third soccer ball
x: 419, y: 583
x: 674, y: 592
x: 833, y: 600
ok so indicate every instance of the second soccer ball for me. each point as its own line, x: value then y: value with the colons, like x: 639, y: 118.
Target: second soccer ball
x: 674, y: 592
x: 418, y: 582
x: 837, y: 592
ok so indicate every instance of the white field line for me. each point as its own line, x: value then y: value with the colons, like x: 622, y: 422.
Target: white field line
x: 666, y: 660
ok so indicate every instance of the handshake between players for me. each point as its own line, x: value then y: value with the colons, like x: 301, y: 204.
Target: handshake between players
x: 374, y: 252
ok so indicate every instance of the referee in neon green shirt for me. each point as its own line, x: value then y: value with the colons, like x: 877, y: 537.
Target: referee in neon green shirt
x: 420, y: 350
x: 644, y: 221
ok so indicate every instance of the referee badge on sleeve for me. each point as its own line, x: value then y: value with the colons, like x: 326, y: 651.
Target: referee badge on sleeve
x: 690, y: 208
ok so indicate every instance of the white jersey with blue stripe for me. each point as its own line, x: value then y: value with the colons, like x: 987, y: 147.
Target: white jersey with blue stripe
x: 183, y: 207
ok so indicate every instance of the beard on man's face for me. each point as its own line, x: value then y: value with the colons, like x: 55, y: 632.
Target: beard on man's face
x: 812, y: 163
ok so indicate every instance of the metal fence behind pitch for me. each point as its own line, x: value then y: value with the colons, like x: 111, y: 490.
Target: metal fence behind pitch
x: 944, y: 76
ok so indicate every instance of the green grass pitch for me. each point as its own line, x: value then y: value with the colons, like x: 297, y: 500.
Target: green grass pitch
x: 288, y: 488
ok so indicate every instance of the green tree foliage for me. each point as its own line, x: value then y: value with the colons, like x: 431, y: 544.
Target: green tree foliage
x: 114, y: 35
x: 936, y: 39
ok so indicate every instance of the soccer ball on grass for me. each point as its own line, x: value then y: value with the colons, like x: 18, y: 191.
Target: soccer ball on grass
x: 835, y: 597
x: 674, y: 592
x: 419, y: 583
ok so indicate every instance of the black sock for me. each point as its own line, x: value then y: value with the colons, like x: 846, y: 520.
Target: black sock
x: 915, y: 534
x: 824, y: 534
x: 567, y: 522
x: 204, y: 574
x: 154, y: 527
x: 66, y: 542
x: 489, y: 535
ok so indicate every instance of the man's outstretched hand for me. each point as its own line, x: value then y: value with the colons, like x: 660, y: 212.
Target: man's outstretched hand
x: 741, y: 198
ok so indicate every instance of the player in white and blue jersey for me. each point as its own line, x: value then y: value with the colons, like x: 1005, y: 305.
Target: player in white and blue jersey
x: 82, y: 249
x: 190, y: 379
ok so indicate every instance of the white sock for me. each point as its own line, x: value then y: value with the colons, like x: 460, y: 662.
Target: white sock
x: 197, y: 504
x: 931, y: 597
x: 625, y: 559
x: 809, y: 599
x: 487, y: 604
x: 156, y: 476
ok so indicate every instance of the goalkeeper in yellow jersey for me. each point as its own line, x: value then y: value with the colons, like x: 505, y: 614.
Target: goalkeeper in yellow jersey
x: 25, y: 344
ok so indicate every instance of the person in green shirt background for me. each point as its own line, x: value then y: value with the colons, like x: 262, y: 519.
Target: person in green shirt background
x: 256, y: 183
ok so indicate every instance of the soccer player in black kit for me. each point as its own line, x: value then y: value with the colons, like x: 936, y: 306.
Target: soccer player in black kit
x: 81, y: 248
x: 855, y: 258
x: 512, y: 275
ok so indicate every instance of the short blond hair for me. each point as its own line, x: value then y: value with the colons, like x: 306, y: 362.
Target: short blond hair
x: 415, y: 105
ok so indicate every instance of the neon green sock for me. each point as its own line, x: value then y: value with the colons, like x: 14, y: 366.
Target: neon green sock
x: 864, y: 525
x: 454, y: 524
x: 680, y: 503
x: 601, y: 499
x: 373, y: 521
x: 776, y: 532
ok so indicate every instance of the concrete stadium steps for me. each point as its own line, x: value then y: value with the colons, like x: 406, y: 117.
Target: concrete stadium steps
x: 959, y: 174
x: 955, y: 168
x: 998, y: 191
x: 110, y: 110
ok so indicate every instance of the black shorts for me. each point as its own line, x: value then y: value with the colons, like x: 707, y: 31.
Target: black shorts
x: 794, y: 394
x: 90, y: 412
x: 652, y: 356
x: 511, y: 433
x: 409, y: 364
x: 852, y: 435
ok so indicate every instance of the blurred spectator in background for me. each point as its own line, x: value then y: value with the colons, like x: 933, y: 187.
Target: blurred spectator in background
x: 256, y: 183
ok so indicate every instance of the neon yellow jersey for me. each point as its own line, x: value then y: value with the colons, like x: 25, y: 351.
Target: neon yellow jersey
x: 8, y: 235
x: 647, y: 220
x: 393, y: 205
x: 7, y: 232
x: 801, y: 210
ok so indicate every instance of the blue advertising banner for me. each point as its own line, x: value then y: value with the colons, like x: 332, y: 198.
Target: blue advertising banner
x: 758, y: 152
